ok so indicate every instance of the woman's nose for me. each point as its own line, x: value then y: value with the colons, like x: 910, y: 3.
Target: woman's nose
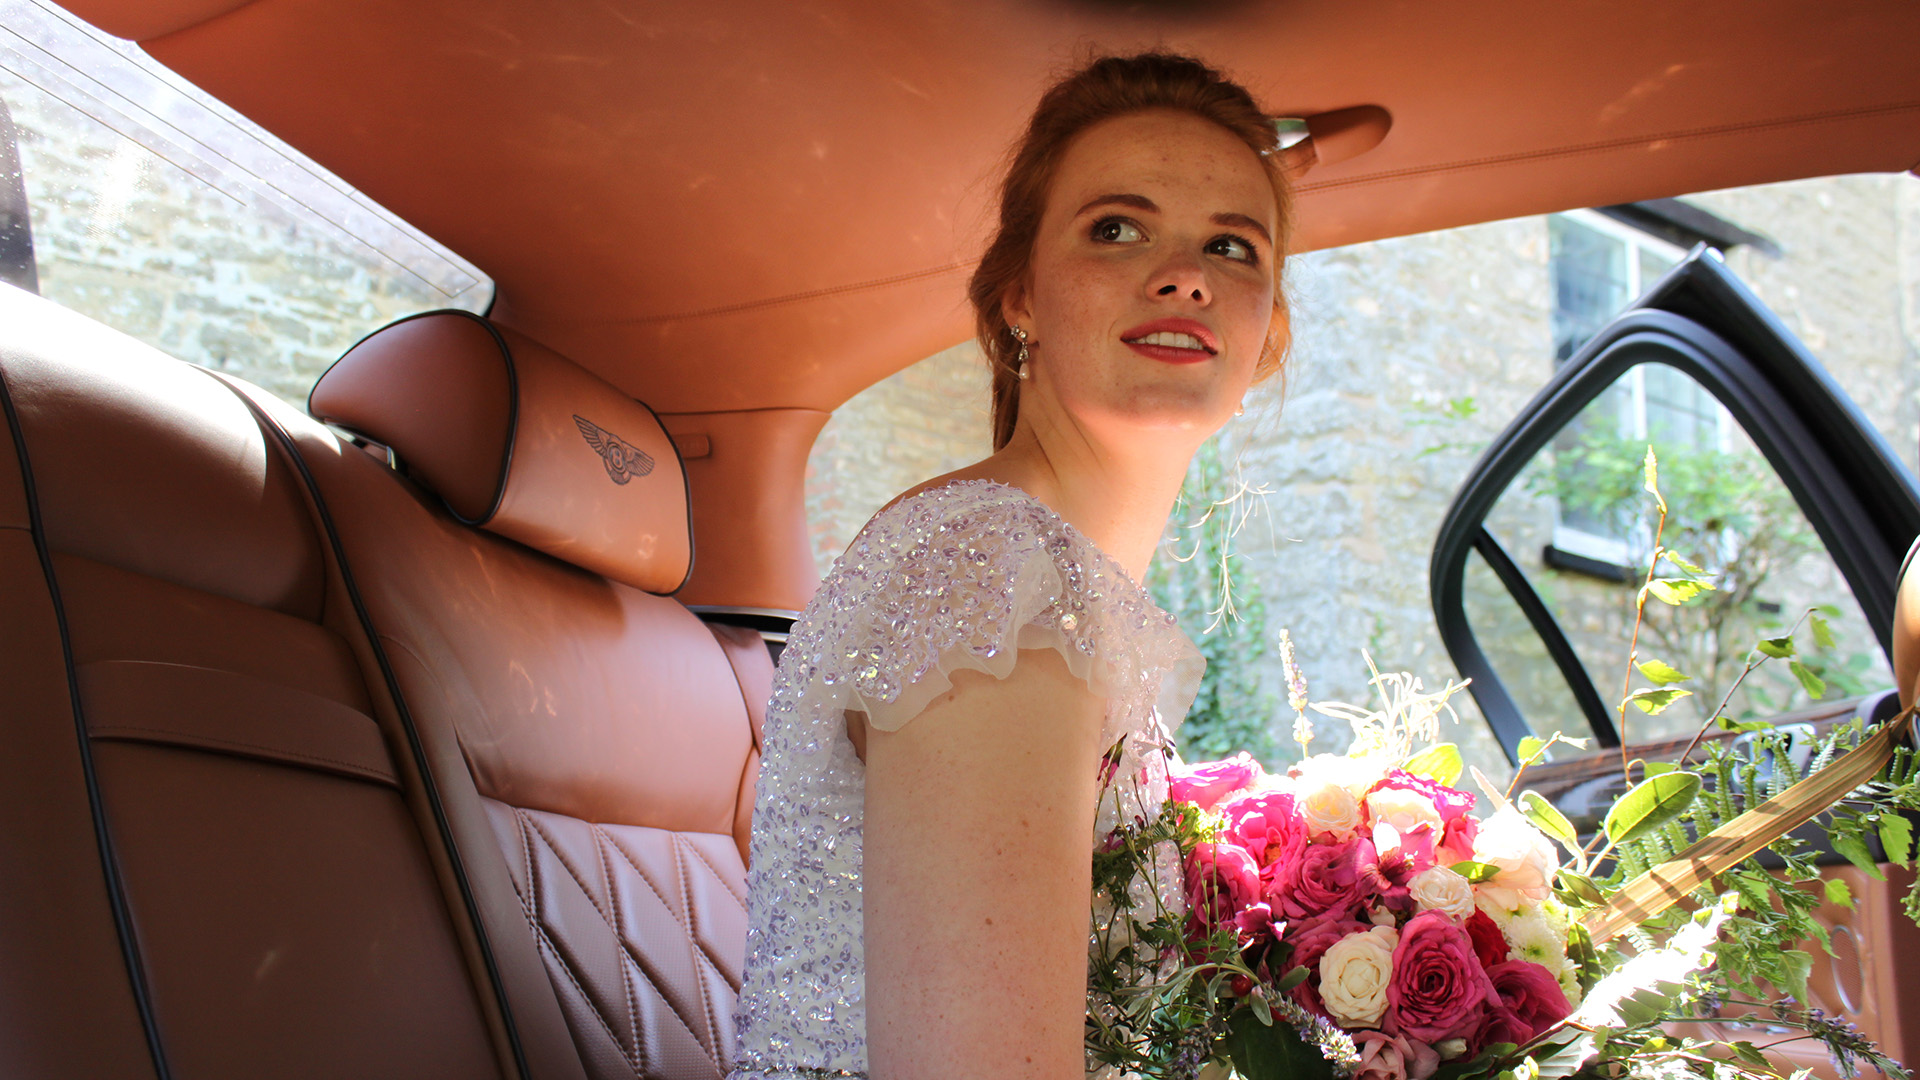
x: 1183, y: 278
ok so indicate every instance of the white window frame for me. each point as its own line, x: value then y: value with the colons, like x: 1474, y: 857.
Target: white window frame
x: 1616, y: 550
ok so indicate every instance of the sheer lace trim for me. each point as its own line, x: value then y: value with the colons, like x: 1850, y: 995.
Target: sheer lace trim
x: 963, y: 577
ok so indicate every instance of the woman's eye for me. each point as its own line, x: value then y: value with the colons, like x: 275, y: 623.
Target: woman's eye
x: 1116, y: 231
x: 1232, y: 247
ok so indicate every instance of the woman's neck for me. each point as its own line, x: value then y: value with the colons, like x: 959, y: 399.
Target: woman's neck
x: 1119, y: 497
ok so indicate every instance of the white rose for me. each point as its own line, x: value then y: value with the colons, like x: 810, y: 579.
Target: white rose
x: 1525, y: 858
x: 1406, y: 811
x: 1329, y: 808
x: 1450, y: 1049
x: 1354, y: 774
x: 1440, y: 889
x: 1354, y: 973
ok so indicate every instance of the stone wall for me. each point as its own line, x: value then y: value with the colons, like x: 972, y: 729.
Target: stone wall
x: 1362, y: 455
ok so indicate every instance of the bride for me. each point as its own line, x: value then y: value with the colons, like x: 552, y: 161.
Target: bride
x: 939, y: 738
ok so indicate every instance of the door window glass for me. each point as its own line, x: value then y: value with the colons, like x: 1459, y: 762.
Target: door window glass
x: 1728, y: 512
x: 159, y: 211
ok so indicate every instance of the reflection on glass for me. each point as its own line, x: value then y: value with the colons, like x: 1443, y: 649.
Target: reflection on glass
x: 162, y: 213
x: 1580, y: 525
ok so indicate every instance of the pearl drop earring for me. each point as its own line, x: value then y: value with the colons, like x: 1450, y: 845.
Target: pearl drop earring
x: 1020, y: 360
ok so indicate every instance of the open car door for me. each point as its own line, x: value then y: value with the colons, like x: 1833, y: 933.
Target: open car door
x: 1776, y: 485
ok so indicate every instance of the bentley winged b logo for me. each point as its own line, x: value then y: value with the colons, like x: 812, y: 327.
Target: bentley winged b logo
x: 623, y: 460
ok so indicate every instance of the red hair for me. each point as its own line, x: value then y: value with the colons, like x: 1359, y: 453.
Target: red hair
x: 1108, y: 87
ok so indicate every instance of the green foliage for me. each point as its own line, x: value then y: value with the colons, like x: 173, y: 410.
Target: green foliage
x: 1203, y: 583
x: 1730, y: 513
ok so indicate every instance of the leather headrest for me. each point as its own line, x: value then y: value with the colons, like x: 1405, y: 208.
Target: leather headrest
x: 520, y: 441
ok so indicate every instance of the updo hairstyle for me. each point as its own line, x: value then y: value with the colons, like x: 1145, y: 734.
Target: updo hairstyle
x: 1109, y: 87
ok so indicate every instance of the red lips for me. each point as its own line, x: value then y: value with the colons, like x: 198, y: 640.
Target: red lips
x: 1173, y: 354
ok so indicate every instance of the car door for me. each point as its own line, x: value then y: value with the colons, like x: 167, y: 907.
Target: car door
x: 1775, y: 483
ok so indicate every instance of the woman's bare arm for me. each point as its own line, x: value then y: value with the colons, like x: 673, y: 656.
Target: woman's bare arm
x: 979, y: 818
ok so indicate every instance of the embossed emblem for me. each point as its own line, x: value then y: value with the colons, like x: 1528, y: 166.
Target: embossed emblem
x: 623, y: 460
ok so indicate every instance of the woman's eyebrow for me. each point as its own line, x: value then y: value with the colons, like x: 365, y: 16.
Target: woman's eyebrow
x: 1244, y: 222
x: 1137, y: 202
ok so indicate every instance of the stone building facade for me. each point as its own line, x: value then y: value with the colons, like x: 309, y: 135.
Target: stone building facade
x: 1363, y: 454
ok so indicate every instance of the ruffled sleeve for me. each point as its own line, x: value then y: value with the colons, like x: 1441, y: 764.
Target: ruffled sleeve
x: 966, y: 576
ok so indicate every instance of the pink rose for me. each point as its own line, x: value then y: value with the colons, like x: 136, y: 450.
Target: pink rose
x: 1222, y: 880
x: 1456, y: 844
x: 1452, y: 803
x: 1439, y: 990
x: 1393, y: 1057
x: 1207, y: 783
x: 1268, y: 824
x: 1531, y: 993
x: 1330, y: 881
x: 1310, y: 941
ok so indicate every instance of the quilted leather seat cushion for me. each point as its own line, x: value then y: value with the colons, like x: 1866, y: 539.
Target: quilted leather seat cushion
x: 643, y: 932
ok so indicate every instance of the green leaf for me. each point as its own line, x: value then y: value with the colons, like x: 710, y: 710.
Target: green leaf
x: 1728, y: 723
x: 1294, y: 977
x: 1475, y: 872
x: 1549, y: 819
x: 1651, y: 468
x: 1815, y: 686
x: 1272, y: 1052
x: 1662, y: 674
x: 1656, y: 768
x: 1838, y: 893
x: 1896, y: 836
x: 1779, y: 647
x: 1796, y: 965
x: 1441, y: 763
x: 1651, y: 804
x: 1822, y: 633
x: 1653, y: 702
x: 1751, y: 1054
x: 1854, y: 847
x: 1681, y: 563
x: 1530, y: 747
x: 1581, y: 887
x: 1677, y: 591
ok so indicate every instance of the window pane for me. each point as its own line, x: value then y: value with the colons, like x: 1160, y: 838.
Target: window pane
x: 1728, y: 512
x: 1589, y: 282
x: 166, y: 215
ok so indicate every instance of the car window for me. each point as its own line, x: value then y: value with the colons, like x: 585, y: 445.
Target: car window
x: 1580, y: 527
x: 155, y: 209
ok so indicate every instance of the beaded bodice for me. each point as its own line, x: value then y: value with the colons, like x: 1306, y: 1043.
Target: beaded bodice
x: 957, y: 577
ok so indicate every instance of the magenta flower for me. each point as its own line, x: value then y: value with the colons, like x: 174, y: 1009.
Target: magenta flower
x: 1439, y: 990
x: 1207, y: 783
x: 1222, y: 881
x: 1268, y: 824
x: 1330, y: 881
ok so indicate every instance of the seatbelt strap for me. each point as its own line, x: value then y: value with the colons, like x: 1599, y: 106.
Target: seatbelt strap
x: 1725, y: 847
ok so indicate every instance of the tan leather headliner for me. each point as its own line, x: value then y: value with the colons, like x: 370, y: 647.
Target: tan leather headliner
x: 722, y: 204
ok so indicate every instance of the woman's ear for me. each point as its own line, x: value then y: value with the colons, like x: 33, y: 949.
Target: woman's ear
x: 1014, y: 309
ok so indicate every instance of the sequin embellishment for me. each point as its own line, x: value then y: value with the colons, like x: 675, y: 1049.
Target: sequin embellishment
x: 957, y: 577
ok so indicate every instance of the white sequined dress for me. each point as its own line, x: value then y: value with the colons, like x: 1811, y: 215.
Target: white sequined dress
x: 961, y: 576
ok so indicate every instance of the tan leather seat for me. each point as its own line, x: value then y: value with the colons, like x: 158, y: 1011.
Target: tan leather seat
x: 211, y: 866
x: 305, y: 776
x: 594, y: 745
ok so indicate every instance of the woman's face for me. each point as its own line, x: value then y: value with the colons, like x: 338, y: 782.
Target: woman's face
x: 1152, y: 281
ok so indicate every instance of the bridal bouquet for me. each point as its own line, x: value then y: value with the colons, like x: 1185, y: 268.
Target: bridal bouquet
x: 1364, y: 917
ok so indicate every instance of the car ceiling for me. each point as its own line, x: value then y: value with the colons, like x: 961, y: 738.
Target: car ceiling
x: 723, y: 205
